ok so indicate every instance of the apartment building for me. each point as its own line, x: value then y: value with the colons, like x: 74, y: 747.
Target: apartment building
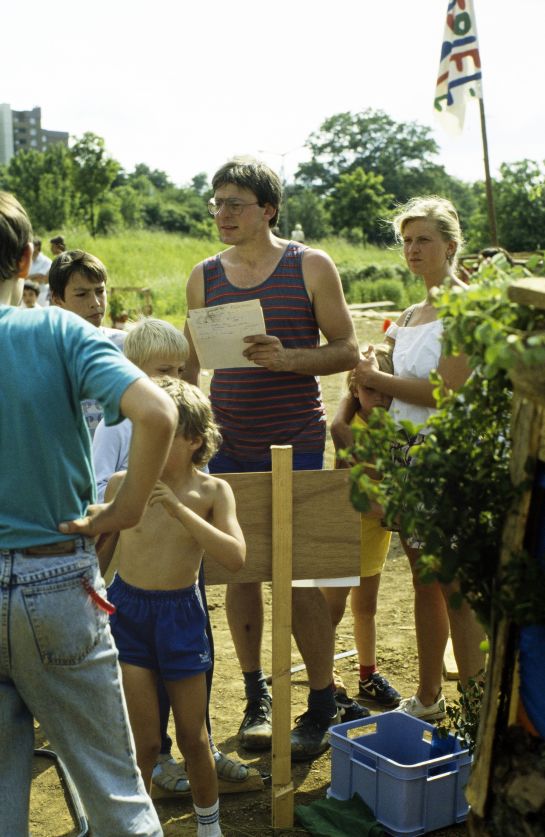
x: 22, y: 130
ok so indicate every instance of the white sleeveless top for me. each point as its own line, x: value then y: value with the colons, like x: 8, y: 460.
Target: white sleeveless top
x: 416, y: 353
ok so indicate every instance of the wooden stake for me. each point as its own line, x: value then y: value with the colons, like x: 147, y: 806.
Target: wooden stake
x: 282, y: 785
x: 488, y: 179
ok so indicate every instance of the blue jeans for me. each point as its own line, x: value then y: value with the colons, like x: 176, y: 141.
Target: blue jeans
x: 58, y: 664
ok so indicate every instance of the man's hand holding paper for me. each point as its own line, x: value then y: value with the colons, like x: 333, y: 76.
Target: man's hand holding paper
x: 267, y: 351
x: 219, y: 333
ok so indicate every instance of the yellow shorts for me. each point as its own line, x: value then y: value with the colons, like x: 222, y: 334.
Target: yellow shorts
x: 375, y: 543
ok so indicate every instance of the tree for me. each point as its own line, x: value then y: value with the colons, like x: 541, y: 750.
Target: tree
x: 43, y: 183
x: 94, y: 173
x: 200, y: 184
x: 520, y: 205
x: 305, y: 207
x: 373, y: 141
x: 358, y: 201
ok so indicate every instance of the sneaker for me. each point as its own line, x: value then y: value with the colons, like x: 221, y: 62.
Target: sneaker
x: 349, y: 710
x: 256, y: 728
x: 169, y: 775
x: 413, y: 706
x: 377, y: 689
x: 310, y: 736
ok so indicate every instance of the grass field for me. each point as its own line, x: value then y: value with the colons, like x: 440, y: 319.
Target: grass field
x: 163, y: 261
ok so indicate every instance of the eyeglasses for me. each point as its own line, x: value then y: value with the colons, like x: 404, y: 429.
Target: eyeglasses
x: 235, y: 207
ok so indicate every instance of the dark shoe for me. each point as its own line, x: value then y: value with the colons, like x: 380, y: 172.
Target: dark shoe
x: 377, y: 689
x: 256, y: 728
x: 349, y: 709
x: 310, y: 736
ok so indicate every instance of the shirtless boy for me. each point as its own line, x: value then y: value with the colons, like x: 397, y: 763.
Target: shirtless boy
x: 160, y: 622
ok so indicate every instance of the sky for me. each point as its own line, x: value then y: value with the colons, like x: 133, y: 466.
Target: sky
x: 183, y: 85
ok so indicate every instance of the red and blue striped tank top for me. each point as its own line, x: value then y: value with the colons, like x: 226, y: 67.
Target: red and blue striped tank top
x: 254, y: 407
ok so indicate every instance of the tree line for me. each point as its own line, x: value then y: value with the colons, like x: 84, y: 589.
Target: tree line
x: 361, y: 166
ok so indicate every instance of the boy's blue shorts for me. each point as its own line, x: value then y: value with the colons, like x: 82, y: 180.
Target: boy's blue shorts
x: 163, y: 630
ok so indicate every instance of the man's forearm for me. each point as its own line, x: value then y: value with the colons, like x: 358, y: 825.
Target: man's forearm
x: 336, y: 356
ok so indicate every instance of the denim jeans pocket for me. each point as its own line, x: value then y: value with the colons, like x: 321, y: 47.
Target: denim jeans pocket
x: 66, y: 623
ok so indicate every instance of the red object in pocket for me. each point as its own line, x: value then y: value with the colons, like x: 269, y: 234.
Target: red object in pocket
x: 100, y: 601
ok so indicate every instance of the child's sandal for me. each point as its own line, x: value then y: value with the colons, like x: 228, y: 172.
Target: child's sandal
x: 230, y: 770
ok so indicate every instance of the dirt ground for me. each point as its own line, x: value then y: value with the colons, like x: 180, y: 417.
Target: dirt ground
x: 249, y: 814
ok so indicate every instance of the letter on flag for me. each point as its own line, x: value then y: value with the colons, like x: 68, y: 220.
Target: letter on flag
x: 460, y: 66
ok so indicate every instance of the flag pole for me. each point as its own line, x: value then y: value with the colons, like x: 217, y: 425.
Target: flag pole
x: 488, y: 179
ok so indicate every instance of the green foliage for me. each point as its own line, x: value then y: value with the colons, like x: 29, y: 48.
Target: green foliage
x: 358, y: 201
x: 464, y: 714
x: 305, y: 207
x: 374, y: 282
x: 401, y: 153
x: 456, y: 494
x: 42, y: 181
x: 370, y: 140
x: 94, y: 173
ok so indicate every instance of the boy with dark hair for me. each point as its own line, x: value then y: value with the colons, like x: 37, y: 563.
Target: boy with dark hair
x: 77, y: 281
x: 160, y: 622
x: 31, y: 292
x: 58, y: 663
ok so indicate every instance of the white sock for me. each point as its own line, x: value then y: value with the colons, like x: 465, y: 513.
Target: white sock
x: 208, y: 820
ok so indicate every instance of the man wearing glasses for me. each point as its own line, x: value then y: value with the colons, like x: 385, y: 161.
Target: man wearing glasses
x: 277, y: 402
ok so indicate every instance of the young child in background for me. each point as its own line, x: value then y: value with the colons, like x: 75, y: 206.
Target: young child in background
x: 353, y: 412
x: 160, y: 622
x: 159, y: 349
x: 31, y: 292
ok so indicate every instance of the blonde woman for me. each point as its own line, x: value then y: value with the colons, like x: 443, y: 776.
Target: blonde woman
x: 429, y: 229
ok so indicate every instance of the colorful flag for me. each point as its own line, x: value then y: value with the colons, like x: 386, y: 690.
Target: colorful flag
x: 460, y: 66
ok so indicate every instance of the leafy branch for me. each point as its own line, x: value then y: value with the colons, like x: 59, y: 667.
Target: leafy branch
x: 455, y: 495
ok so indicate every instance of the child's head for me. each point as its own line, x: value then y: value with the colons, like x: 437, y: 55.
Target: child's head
x: 368, y: 397
x: 157, y: 347
x: 77, y: 281
x: 31, y: 292
x: 57, y: 245
x: 195, y: 417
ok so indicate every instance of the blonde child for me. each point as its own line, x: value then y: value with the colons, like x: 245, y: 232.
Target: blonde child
x: 160, y: 622
x: 353, y: 412
x: 159, y: 349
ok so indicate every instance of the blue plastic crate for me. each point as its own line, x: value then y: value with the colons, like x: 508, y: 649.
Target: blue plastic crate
x: 397, y: 768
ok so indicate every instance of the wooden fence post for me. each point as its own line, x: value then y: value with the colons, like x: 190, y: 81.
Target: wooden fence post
x: 282, y: 524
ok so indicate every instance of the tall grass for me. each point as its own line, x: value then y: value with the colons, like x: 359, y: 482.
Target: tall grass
x: 163, y: 261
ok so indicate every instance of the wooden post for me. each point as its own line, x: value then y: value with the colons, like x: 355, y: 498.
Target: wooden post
x: 282, y: 785
x: 488, y: 179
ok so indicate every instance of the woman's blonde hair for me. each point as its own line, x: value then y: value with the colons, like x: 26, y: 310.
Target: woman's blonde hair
x: 431, y: 208
x: 195, y: 417
x: 150, y: 338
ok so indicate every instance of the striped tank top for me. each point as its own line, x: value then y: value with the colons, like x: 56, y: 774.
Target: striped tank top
x: 254, y: 407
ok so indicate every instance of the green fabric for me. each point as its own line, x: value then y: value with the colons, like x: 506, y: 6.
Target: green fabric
x: 338, y: 818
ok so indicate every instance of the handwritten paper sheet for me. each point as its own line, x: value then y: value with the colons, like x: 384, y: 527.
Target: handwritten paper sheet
x: 218, y: 333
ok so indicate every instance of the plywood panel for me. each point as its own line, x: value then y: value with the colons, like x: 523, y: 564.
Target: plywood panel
x: 326, y: 528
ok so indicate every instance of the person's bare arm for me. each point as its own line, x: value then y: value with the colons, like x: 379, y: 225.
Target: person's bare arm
x: 333, y: 317
x: 106, y: 543
x: 222, y: 539
x: 195, y: 299
x: 341, y: 432
x: 154, y: 418
x: 454, y: 371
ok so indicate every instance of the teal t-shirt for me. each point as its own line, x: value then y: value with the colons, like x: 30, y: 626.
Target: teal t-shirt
x: 50, y: 360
